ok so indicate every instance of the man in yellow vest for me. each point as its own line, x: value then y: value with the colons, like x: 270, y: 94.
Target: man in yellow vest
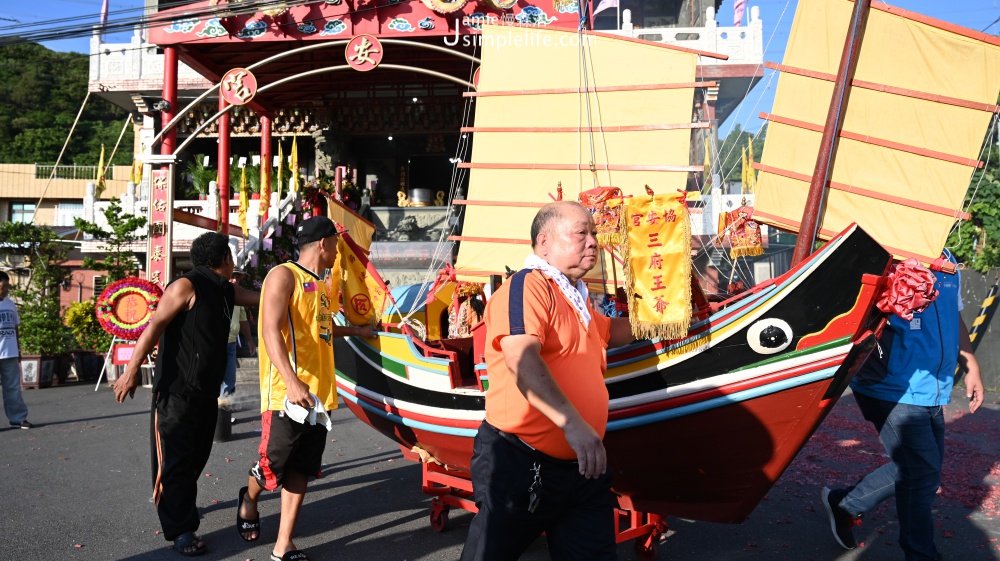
x: 296, y: 370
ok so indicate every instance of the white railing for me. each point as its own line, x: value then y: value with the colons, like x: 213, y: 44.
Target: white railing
x: 135, y: 60
x: 66, y: 172
x: 744, y: 45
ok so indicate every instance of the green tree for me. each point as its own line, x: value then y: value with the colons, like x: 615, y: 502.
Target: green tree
x: 43, y: 254
x: 976, y: 242
x: 40, y: 94
x: 731, y: 151
x: 119, y: 260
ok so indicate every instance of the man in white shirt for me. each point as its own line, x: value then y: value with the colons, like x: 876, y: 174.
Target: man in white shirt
x: 10, y: 359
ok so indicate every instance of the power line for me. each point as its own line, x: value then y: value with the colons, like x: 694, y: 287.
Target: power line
x: 990, y: 25
x: 145, y: 22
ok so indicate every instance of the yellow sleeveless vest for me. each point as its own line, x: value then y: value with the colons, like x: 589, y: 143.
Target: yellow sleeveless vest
x: 308, y: 336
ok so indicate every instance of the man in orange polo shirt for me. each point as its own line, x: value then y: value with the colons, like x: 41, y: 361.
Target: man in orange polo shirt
x: 539, y: 464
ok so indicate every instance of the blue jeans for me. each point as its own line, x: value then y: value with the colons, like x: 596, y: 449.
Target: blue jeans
x: 13, y: 403
x: 229, y: 379
x: 913, y: 436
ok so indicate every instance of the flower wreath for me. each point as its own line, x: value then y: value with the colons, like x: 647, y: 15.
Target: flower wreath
x: 115, y: 295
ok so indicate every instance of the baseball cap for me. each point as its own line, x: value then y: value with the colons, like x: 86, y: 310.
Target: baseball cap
x: 314, y: 229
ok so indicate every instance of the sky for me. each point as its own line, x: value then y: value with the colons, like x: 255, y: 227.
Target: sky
x: 776, y: 15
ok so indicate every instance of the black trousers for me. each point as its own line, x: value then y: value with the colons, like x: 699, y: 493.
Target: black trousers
x: 182, y: 430
x: 576, y: 514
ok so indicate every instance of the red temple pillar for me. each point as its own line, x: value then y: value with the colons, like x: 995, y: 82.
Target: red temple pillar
x: 160, y: 239
x: 170, y: 96
x: 265, y: 166
x: 223, y: 180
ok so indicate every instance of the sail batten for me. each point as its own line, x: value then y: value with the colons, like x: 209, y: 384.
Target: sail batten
x: 542, y: 125
x: 987, y: 107
x: 867, y: 193
x: 876, y: 141
x: 628, y: 128
x: 577, y: 167
x: 596, y: 89
x: 911, y: 134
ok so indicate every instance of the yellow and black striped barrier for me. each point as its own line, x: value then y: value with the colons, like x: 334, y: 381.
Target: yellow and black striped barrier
x: 982, y: 320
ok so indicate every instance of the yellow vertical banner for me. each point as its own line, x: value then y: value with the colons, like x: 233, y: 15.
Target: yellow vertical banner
x: 294, y: 166
x: 751, y: 174
x: 743, y: 172
x: 241, y: 215
x: 365, y: 295
x: 281, y: 171
x: 265, y: 189
x: 657, y: 266
x: 100, y: 186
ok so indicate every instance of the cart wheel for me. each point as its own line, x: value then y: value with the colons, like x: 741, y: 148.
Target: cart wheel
x: 642, y: 551
x: 439, y: 519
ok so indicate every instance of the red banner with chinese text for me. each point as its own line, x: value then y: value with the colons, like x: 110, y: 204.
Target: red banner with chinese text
x: 657, y: 265
x: 158, y: 224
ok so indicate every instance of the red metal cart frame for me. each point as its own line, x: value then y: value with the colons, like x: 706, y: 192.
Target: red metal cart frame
x: 454, y: 489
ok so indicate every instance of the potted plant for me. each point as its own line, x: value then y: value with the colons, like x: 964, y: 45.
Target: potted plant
x: 43, y: 338
x: 199, y: 176
x: 91, y: 339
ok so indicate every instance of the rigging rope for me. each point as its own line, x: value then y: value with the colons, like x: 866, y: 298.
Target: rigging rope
x: 438, y: 257
x: 128, y: 121
x: 59, y: 159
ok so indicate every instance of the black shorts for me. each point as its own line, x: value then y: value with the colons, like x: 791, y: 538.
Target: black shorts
x: 287, y: 445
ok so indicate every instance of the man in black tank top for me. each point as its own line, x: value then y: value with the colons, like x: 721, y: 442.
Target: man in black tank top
x: 191, y: 324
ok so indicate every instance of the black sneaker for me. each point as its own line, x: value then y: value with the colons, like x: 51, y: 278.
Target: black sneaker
x: 841, y: 523
x: 23, y: 425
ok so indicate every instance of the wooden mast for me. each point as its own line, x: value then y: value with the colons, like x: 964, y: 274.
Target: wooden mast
x: 834, y: 118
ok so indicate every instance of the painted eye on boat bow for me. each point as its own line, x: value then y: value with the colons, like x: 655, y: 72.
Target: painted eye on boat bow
x: 769, y: 336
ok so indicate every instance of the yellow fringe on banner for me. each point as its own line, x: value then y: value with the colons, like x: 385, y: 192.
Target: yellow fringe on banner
x: 657, y: 256
x: 746, y: 251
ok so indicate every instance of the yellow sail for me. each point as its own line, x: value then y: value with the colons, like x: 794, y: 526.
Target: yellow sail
x: 920, y: 104
x: 534, y: 129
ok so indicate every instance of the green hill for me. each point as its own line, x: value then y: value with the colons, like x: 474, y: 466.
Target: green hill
x: 40, y: 93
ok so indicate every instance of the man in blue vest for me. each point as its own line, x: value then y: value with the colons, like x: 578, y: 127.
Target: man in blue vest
x: 902, y: 390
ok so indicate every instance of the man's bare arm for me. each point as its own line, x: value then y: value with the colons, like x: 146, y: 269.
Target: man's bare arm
x: 365, y: 331
x: 522, y: 355
x: 974, y: 389
x: 248, y: 335
x: 621, y: 333
x: 176, y: 298
x: 246, y: 298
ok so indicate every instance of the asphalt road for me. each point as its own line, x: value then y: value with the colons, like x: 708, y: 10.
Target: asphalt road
x: 78, y: 487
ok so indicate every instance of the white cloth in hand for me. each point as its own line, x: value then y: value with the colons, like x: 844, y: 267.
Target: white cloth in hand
x: 315, y: 415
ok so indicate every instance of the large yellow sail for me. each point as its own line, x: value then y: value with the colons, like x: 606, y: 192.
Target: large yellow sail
x: 534, y: 131
x: 921, y: 101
